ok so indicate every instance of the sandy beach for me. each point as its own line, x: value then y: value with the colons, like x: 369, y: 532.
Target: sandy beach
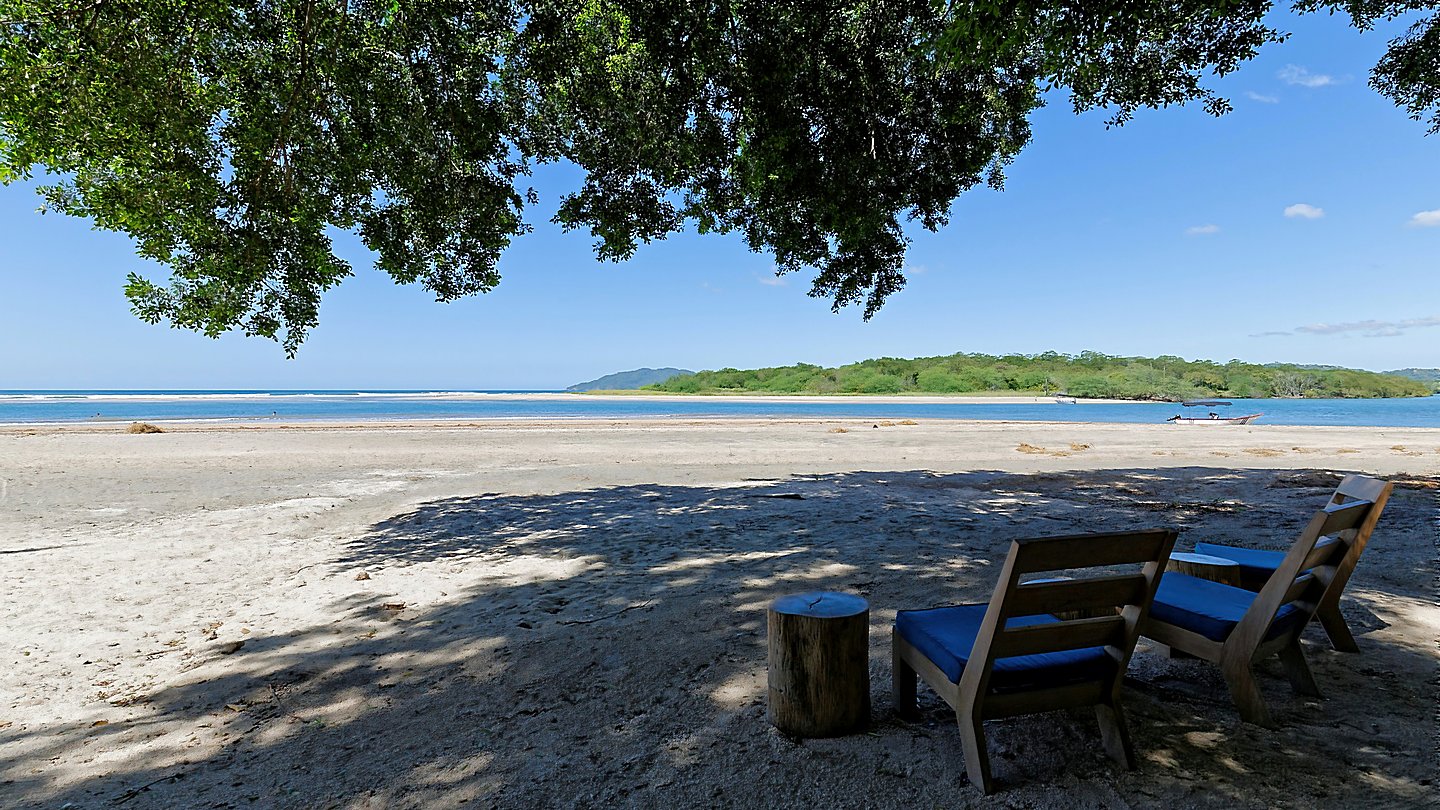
x: 572, y: 613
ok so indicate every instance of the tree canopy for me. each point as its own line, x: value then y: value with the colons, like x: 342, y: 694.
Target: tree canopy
x: 1088, y: 374
x: 230, y: 140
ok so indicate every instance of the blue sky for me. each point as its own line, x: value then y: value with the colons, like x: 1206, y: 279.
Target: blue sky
x: 1285, y: 231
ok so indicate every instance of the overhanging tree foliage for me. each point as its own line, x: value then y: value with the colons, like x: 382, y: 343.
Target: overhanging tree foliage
x: 230, y: 140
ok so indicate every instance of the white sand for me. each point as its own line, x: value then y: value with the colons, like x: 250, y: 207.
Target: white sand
x: 572, y: 614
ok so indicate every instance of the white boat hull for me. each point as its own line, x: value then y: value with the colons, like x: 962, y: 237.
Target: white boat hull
x: 1229, y: 420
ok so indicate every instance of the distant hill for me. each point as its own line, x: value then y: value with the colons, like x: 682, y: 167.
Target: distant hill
x: 1421, y: 374
x: 1310, y: 367
x: 1429, y: 376
x: 627, y: 380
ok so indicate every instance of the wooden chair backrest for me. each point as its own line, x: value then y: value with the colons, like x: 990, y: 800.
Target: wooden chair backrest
x: 1361, y: 488
x: 1123, y: 598
x: 1354, y: 487
x: 1308, y: 568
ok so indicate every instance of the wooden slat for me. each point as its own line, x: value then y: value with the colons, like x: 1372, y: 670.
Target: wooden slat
x: 1010, y: 704
x: 1299, y: 588
x: 1060, y: 636
x: 1326, y: 552
x: 1178, y: 638
x: 1340, y: 517
x: 1086, y: 550
x: 1076, y: 594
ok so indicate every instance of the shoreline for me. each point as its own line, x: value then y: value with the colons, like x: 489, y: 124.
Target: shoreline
x: 440, y: 407
x: 200, y: 425
x: 565, y: 396
x: 870, y: 399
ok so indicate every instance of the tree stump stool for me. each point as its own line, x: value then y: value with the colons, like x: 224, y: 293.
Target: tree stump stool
x: 1201, y: 566
x: 1205, y: 566
x: 819, y: 664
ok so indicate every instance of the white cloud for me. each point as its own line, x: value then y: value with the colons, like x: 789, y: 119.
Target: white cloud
x: 916, y: 270
x: 1426, y: 219
x: 1254, y: 96
x: 1304, y: 211
x: 1370, y: 328
x: 1295, y: 74
x: 772, y: 281
x: 1202, y: 230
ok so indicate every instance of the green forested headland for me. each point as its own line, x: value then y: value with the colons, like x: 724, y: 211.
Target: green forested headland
x: 1088, y: 374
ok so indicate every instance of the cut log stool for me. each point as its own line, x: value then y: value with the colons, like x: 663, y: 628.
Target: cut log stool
x: 819, y: 664
x: 1205, y: 566
x: 1201, y: 566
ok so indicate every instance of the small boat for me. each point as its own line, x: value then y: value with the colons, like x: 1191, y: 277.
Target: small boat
x: 1065, y: 399
x: 1212, y: 418
x: 1215, y: 419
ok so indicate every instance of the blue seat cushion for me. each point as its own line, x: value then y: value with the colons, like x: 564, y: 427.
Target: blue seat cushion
x: 1255, y: 565
x: 946, y: 635
x: 1211, y: 609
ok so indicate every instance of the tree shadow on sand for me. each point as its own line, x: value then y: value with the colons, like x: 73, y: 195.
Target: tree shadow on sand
x: 605, y: 648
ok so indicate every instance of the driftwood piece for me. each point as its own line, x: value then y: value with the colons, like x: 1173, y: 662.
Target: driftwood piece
x: 819, y: 664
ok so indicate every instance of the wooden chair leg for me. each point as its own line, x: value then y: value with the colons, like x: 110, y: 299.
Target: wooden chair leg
x: 977, y: 759
x: 904, y: 683
x: 1246, y: 694
x: 1297, y: 669
x: 1115, y: 734
x: 1336, y: 628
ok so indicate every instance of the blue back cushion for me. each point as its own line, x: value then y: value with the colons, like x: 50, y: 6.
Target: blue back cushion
x: 1254, y: 563
x: 947, y: 634
x: 1210, y: 608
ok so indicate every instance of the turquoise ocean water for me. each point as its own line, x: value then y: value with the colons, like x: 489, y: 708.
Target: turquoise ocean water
x: 260, y: 406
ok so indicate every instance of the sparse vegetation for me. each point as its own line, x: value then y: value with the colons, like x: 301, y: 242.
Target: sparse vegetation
x: 145, y: 427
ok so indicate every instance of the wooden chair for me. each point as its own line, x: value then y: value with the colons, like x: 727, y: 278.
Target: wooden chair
x: 1013, y: 656
x: 1235, y: 627
x: 1257, y: 566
